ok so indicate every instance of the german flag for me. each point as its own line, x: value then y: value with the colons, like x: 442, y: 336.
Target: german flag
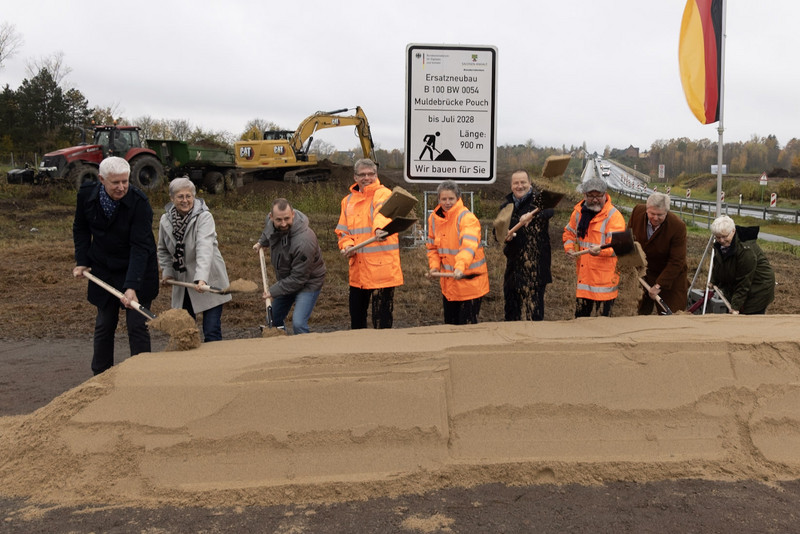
x: 700, y: 57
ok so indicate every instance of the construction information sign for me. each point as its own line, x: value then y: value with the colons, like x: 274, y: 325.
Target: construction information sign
x: 450, y: 113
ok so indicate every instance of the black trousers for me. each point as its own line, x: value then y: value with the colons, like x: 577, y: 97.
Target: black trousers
x: 461, y: 311
x: 105, y: 327
x: 382, y: 307
x: 527, y: 298
x: 584, y: 307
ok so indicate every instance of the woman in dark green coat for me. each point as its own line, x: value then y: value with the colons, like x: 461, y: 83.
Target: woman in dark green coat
x: 741, y: 270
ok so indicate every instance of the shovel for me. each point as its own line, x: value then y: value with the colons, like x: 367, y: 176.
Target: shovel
x: 134, y: 305
x: 210, y: 289
x: 658, y: 298
x: 469, y: 276
x: 722, y: 297
x: 266, y: 287
x: 621, y: 242
x: 237, y: 286
x: 398, y: 224
x: 549, y: 200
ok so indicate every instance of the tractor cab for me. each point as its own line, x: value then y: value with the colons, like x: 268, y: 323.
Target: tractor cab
x: 117, y: 140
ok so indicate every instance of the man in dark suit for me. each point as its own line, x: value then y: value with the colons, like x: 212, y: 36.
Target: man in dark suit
x: 663, y: 238
x: 113, y: 235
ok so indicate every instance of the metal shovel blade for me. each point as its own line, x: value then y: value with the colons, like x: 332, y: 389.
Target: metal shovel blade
x: 621, y: 242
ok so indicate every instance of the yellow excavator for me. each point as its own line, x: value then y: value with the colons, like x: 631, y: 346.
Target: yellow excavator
x: 285, y: 154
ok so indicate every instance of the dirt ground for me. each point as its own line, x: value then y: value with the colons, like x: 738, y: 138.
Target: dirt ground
x: 45, y: 349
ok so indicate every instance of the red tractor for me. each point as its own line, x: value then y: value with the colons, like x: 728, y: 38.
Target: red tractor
x: 78, y: 164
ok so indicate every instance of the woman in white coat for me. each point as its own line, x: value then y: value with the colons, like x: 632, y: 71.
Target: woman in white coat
x: 188, y: 252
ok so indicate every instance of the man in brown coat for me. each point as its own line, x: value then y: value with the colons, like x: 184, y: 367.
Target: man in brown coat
x: 663, y: 238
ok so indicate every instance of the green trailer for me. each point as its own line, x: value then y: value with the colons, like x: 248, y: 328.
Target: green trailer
x: 212, y: 169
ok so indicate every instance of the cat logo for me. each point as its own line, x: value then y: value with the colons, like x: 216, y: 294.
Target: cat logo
x: 246, y: 152
x: 278, y: 149
x: 335, y: 121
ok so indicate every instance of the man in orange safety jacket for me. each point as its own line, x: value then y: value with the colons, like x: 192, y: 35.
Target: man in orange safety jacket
x: 374, y: 269
x: 590, y: 226
x: 454, y: 248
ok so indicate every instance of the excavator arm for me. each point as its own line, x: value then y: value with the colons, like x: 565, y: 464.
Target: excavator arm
x: 301, y: 141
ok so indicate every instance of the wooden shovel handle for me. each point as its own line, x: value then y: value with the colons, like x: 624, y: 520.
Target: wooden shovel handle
x: 210, y: 289
x: 264, y: 275
x: 658, y: 298
x: 586, y: 250
x: 722, y: 297
x: 452, y: 275
x: 370, y: 240
x: 519, y: 225
x: 119, y: 294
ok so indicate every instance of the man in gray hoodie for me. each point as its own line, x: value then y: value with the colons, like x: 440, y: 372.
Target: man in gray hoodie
x: 297, y: 260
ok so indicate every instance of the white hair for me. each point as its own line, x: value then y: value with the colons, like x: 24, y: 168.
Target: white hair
x: 723, y: 225
x: 658, y: 201
x: 114, y: 166
x: 179, y: 184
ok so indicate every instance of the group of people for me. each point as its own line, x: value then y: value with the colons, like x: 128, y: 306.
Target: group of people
x: 740, y: 269
x: 113, y: 237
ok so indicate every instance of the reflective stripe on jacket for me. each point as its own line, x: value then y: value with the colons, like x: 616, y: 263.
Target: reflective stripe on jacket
x: 377, y: 265
x: 597, y: 277
x: 454, y: 242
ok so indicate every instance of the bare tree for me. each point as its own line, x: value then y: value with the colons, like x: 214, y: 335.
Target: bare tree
x: 10, y: 41
x: 54, y: 63
x: 322, y: 149
x: 179, y: 129
x: 255, y: 129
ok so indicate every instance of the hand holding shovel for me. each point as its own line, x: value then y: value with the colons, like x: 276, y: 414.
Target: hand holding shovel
x: 398, y: 224
x: 525, y: 220
x: 266, y: 287
x: 658, y: 299
x: 438, y: 274
x: 120, y: 295
x: 621, y: 242
x: 203, y: 287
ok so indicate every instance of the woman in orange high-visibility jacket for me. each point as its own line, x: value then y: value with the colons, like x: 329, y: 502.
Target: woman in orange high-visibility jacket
x: 591, y: 224
x: 454, y: 247
x: 374, y: 269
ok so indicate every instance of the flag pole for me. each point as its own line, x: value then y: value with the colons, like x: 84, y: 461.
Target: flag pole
x: 721, y: 128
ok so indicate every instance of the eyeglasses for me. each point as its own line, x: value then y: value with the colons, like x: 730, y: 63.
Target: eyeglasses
x: 724, y: 237
x: 596, y: 196
x: 365, y: 174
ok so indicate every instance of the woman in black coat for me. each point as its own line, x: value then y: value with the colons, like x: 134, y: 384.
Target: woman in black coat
x: 527, y: 252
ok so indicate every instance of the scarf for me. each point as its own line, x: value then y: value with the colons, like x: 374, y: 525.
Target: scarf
x: 109, y: 206
x: 179, y: 224
x: 586, y: 217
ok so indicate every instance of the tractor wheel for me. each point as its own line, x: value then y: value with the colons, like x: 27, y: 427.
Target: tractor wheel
x: 214, y: 182
x: 147, y: 173
x: 232, y: 180
x: 81, y: 174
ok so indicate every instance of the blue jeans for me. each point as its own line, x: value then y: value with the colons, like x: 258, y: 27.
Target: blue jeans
x: 212, y: 319
x: 304, y: 303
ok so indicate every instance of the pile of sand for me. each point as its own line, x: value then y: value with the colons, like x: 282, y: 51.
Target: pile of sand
x: 357, y: 414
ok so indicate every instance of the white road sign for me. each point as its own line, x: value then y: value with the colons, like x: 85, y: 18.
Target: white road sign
x: 450, y: 113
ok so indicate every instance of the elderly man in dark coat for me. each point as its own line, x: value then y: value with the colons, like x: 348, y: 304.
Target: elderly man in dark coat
x: 113, y: 235
x: 663, y: 238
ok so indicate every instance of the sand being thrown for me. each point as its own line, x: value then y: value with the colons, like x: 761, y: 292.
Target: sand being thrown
x: 361, y: 414
x: 181, y: 327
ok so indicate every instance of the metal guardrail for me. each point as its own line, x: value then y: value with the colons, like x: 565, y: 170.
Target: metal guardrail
x: 705, y: 210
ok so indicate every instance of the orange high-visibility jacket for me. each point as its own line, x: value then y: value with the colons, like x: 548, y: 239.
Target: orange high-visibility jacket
x: 597, y: 275
x: 377, y: 265
x: 454, y: 242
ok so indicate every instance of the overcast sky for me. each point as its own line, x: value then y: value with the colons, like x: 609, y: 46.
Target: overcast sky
x: 603, y: 72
